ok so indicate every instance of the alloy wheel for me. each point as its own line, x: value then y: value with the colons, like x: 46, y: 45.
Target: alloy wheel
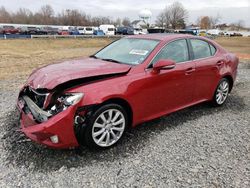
x: 108, y: 127
x: 222, y: 92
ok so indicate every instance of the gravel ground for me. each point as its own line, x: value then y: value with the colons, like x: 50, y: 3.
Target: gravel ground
x: 197, y: 147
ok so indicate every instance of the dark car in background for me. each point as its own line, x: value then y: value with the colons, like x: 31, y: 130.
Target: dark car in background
x: 191, y: 32
x: 32, y: 31
x: 7, y: 29
x: 124, y: 31
x: 235, y: 35
x: 156, y: 30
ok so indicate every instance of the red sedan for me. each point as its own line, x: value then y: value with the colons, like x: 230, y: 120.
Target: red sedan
x: 93, y: 101
x: 7, y: 30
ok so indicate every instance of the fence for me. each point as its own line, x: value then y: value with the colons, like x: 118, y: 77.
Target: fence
x: 16, y: 36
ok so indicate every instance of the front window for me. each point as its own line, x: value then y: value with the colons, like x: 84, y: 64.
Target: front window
x: 176, y: 51
x: 110, y: 29
x: 128, y: 50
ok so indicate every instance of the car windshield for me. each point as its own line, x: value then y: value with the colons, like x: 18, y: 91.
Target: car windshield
x: 127, y: 51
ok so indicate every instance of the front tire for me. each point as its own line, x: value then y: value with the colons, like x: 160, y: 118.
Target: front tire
x: 106, y: 127
x: 221, y: 92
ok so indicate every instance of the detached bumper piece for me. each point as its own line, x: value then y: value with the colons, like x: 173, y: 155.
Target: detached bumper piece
x: 55, y: 131
x: 39, y: 114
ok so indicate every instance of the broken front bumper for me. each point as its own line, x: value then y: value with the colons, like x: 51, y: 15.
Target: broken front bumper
x: 60, y: 125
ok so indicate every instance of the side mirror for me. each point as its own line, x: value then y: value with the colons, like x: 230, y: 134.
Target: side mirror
x: 163, y: 64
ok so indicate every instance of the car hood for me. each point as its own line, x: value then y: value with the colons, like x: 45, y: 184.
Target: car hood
x: 50, y: 76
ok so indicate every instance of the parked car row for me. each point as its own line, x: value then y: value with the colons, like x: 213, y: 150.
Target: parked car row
x: 8, y: 30
x: 70, y: 30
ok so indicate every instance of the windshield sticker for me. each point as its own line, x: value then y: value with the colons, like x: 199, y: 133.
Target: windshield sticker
x: 138, y: 52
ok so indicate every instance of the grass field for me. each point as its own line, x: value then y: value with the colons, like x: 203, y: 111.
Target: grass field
x: 238, y: 45
x: 19, y: 57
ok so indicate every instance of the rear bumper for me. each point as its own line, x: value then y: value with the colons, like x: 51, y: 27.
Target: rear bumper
x: 61, y: 125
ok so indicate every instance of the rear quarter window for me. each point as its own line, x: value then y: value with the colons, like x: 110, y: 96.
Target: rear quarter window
x: 213, y: 49
x: 201, y: 48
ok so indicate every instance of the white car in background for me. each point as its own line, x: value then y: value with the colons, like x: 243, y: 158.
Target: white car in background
x: 86, y: 30
x: 108, y: 29
x: 81, y: 30
x: 89, y: 30
x: 213, y: 32
x: 138, y: 31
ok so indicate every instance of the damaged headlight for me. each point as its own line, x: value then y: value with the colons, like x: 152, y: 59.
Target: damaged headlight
x: 72, y: 98
x: 64, y: 101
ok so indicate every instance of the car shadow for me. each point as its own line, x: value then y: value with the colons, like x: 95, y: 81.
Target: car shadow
x: 24, y: 153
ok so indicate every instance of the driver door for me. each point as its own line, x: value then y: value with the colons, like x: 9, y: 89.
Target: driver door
x: 168, y: 90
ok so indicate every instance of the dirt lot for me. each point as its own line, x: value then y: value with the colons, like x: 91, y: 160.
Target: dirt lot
x: 197, y: 147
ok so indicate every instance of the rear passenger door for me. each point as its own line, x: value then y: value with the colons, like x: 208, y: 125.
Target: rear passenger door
x: 207, y: 69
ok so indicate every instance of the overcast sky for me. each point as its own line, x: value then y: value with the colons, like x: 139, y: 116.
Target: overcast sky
x: 229, y: 10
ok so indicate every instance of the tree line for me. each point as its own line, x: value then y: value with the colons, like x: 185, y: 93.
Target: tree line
x: 47, y: 16
x: 173, y: 16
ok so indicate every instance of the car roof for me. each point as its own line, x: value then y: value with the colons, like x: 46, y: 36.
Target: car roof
x: 161, y: 36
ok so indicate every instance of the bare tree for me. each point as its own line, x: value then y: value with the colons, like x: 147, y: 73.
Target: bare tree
x: 173, y: 16
x: 214, y: 20
x: 22, y: 16
x: 5, y: 16
x: 205, y: 22
x: 240, y: 24
x: 47, y: 14
x: 97, y: 21
x: 118, y: 22
x: 126, y: 22
x: 161, y: 20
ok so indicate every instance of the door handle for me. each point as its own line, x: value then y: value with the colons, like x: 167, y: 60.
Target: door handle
x: 190, y: 70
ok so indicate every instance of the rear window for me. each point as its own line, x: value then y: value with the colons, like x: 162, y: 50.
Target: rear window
x: 201, y: 48
x: 89, y: 29
x: 110, y: 29
x: 213, y: 49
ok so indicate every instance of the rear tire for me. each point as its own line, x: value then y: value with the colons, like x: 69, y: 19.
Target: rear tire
x: 221, y: 92
x: 106, y: 127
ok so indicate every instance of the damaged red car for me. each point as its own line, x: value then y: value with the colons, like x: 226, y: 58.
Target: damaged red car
x: 94, y: 100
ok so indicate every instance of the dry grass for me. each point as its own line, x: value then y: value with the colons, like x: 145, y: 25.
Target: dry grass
x: 238, y: 45
x: 18, y: 58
